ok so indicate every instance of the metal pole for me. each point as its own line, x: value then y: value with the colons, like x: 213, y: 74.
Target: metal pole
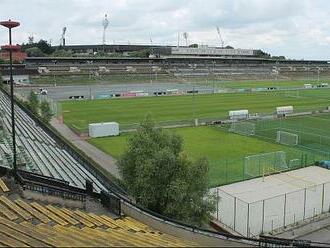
x: 284, y: 210
x: 304, y: 205
x: 217, y: 204
x: 248, y: 220
x: 263, y: 216
x: 12, y: 103
x: 235, y: 203
x: 322, y: 199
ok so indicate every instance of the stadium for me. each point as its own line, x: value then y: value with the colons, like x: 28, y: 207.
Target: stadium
x: 262, y: 123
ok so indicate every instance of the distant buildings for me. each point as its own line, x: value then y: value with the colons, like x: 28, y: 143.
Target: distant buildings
x: 18, y: 55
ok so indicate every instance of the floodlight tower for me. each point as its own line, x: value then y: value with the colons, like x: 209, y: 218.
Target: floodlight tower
x: 105, y: 24
x: 220, y: 37
x: 185, y: 36
x: 63, y: 36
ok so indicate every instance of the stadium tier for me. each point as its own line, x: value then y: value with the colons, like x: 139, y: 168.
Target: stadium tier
x: 26, y: 223
x: 38, y: 152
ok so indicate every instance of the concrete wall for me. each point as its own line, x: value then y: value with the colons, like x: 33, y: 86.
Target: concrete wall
x: 203, y: 239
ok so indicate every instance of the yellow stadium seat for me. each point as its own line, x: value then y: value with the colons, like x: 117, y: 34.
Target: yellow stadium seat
x: 49, y: 214
x: 62, y: 215
x: 25, y: 215
x: 3, y: 186
x: 7, y: 213
x: 43, y: 218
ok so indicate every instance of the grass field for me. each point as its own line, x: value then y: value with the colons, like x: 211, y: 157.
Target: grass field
x: 248, y: 84
x: 313, y: 130
x: 225, y: 151
x: 78, y: 114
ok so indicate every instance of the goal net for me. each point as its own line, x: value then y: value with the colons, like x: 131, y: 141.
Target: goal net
x: 286, y: 138
x: 243, y: 128
x: 292, y: 93
x: 259, y: 164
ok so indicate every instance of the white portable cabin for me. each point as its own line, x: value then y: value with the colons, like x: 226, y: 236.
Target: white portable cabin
x: 239, y: 114
x: 284, y: 110
x: 308, y: 86
x: 103, y: 129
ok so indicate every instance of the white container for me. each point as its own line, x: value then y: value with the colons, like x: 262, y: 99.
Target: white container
x: 284, y: 110
x: 105, y: 129
x: 239, y: 114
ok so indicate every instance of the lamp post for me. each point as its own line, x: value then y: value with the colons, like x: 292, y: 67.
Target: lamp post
x: 10, y: 25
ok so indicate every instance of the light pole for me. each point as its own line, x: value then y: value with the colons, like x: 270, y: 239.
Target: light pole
x: 11, y: 24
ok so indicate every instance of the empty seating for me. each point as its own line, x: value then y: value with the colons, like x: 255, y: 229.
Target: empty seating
x: 40, y: 152
x: 49, y: 225
x: 3, y: 186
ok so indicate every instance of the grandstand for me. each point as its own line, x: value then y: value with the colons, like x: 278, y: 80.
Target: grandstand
x: 26, y: 223
x: 225, y: 68
x: 43, y: 155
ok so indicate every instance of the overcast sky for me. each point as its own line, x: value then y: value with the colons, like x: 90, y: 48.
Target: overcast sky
x: 293, y: 28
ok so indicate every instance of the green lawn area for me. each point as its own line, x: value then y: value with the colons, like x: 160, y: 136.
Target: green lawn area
x: 78, y: 114
x: 225, y: 151
x: 246, y: 84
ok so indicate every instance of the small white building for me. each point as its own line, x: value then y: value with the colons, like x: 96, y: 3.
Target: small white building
x: 105, y: 129
x: 239, y: 114
x: 284, y: 110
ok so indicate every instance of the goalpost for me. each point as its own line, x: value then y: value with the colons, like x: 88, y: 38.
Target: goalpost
x: 259, y: 164
x: 286, y: 138
x: 292, y: 93
x: 243, y: 128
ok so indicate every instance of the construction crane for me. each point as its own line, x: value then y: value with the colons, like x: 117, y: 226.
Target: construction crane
x: 63, y: 36
x: 222, y: 43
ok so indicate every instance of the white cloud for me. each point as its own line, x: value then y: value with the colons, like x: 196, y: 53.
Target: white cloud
x: 294, y: 28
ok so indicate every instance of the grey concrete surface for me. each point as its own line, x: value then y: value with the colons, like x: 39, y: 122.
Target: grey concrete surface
x: 103, y: 159
x: 88, y: 91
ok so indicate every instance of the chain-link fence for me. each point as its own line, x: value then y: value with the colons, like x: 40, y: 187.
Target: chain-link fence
x: 234, y: 170
x: 306, y: 132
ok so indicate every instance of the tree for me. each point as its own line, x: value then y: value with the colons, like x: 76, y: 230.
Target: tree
x: 62, y: 53
x: 33, y: 102
x: 45, y: 47
x: 160, y: 176
x: 45, y: 111
x: 34, y: 52
x: 193, y: 45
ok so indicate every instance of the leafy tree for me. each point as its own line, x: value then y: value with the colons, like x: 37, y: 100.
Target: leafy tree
x: 45, y: 111
x: 34, y: 52
x: 62, y: 53
x: 160, y: 176
x: 33, y: 102
x: 141, y: 53
x: 45, y: 47
x: 193, y: 45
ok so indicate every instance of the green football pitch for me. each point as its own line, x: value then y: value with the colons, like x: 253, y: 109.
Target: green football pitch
x: 225, y: 151
x: 78, y: 114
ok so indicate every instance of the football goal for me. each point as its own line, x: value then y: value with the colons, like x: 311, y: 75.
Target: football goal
x: 286, y: 138
x: 292, y: 93
x: 243, y: 128
x: 259, y: 164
